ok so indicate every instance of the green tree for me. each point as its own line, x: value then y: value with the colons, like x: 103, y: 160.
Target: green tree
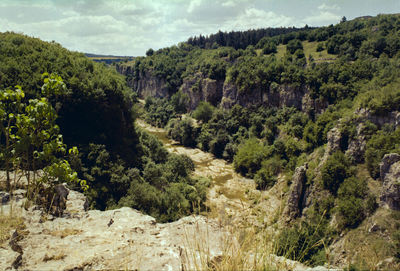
x: 11, y: 106
x: 293, y: 46
x: 335, y: 171
x: 203, y: 112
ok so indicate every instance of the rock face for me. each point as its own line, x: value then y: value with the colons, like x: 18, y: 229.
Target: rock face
x: 357, y: 146
x: 198, y: 88
x: 390, y: 175
x: 334, y: 139
x: 275, y: 96
x: 296, y: 198
x: 147, y: 84
x: 219, y: 93
x: 392, y: 118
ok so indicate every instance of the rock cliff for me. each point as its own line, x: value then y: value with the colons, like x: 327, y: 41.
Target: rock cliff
x: 221, y: 93
x: 146, y: 84
x: 390, y: 175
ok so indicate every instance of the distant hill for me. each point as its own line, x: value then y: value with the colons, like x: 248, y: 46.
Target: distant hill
x: 108, y: 59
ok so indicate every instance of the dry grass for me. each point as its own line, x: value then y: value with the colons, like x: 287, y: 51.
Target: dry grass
x: 241, y: 248
x: 8, y: 223
x: 65, y: 232
x: 56, y: 257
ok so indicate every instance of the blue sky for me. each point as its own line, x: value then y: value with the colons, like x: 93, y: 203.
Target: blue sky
x: 130, y: 27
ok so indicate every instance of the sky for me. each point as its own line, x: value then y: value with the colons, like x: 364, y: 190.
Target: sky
x: 130, y: 27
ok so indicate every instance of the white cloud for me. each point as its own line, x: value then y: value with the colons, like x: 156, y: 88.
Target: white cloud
x: 130, y: 27
x: 193, y: 5
x: 252, y: 18
x: 325, y: 7
x: 322, y: 18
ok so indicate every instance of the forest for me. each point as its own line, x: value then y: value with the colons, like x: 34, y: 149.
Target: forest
x: 88, y: 108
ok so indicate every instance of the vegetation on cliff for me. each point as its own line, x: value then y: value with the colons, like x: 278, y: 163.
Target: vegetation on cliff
x: 355, y: 90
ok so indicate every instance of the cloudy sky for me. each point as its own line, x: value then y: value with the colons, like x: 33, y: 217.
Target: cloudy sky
x: 130, y: 27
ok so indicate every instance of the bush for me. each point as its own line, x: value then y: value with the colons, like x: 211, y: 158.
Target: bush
x: 380, y: 144
x: 320, y: 47
x: 203, y: 112
x: 266, y: 177
x: 335, y: 171
x: 351, y: 207
x: 293, y: 46
x: 182, y: 131
x: 250, y: 154
x: 303, y: 242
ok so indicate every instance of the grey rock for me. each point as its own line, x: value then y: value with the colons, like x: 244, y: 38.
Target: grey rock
x: 199, y: 88
x: 387, y: 161
x: 295, y: 201
x: 390, y: 174
x: 334, y: 138
x: 4, y: 197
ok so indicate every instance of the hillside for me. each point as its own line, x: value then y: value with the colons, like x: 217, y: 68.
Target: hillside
x: 317, y: 109
x: 90, y: 108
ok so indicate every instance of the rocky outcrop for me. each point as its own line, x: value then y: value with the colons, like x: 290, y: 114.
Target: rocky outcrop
x: 115, y: 239
x: 334, y: 138
x: 285, y: 95
x: 198, y: 88
x: 295, y: 202
x: 392, y: 118
x: 390, y: 175
x: 219, y: 93
x: 146, y: 84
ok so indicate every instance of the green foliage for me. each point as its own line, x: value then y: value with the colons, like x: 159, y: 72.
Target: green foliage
x: 95, y: 106
x: 32, y: 139
x: 182, y: 131
x: 335, y: 171
x: 293, y: 46
x: 304, y: 242
x: 380, y: 144
x: 203, y: 112
x: 249, y: 157
x: 351, y: 196
x: 266, y: 177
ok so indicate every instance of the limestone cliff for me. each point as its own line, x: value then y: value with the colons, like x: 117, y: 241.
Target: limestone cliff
x: 221, y: 93
x: 145, y: 84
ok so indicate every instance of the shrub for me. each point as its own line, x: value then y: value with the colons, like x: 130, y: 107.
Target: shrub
x: 251, y: 153
x: 351, y: 207
x: 293, y: 46
x: 203, y: 112
x: 266, y: 177
x: 335, y: 171
x: 380, y: 144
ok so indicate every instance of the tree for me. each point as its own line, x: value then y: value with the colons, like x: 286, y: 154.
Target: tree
x: 33, y: 140
x: 293, y: 46
x: 203, y: 112
x: 149, y: 52
x: 11, y: 106
x: 335, y: 171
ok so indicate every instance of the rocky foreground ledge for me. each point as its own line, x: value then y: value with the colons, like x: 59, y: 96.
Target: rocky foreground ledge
x: 115, y: 239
